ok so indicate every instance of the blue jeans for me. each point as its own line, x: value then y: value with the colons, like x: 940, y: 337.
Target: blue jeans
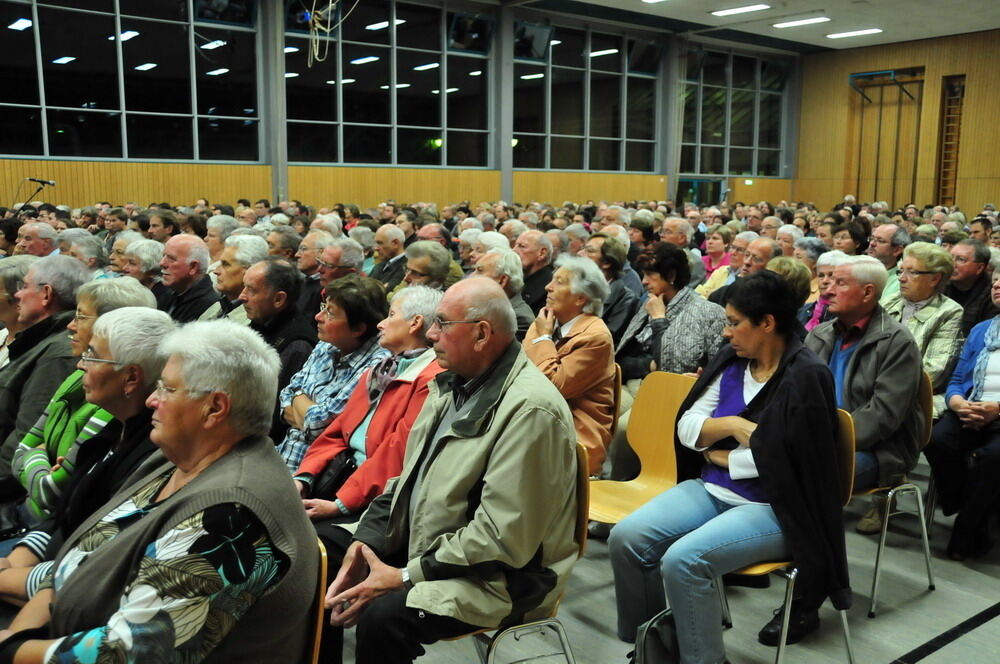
x: 674, y: 549
x: 865, y: 471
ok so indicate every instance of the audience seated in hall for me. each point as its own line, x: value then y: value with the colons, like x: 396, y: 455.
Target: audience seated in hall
x: 504, y: 267
x: 240, y: 252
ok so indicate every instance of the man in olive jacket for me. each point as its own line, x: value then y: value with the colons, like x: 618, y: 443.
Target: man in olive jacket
x: 478, y: 530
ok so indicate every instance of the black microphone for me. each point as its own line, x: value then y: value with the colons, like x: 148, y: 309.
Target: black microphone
x: 51, y: 183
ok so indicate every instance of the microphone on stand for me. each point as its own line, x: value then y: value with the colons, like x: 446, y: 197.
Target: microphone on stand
x: 51, y: 183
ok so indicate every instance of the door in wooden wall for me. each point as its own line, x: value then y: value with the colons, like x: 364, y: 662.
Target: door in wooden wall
x: 886, y: 128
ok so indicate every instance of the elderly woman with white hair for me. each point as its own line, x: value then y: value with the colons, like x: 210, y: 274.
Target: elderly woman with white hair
x: 119, y: 366
x: 572, y: 346
x: 807, y: 250
x: 788, y: 235
x: 116, y: 257
x: 813, y: 313
x: 466, y: 243
x: 90, y: 251
x: 484, y: 242
x: 205, y: 553
x: 142, y: 263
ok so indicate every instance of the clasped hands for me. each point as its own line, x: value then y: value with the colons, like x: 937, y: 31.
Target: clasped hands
x: 361, y: 579
x: 975, y: 414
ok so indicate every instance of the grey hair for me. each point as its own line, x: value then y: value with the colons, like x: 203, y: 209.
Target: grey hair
x: 813, y: 246
x: 623, y: 214
x: 64, y: 274
x: 644, y: 214
x: 128, y: 237
x: 250, y: 249
x: 868, y: 270
x: 488, y: 218
x: 517, y: 227
x: 224, y: 356
x: 747, y: 236
x: 440, y: 259
x: 67, y: 237
x: 287, y: 237
x: 331, y: 224
x: 196, y: 252
x: 492, y: 240
x: 497, y: 311
x: 617, y: 232
x: 222, y: 223
x: 254, y: 231
x: 578, y: 231
x: 149, y: 253
x: 509, y: 265
x: 351, y: 253
x: 469, y: 236
x: 110, y: 294
x: 474, y: 221
x: 994, y: 259
x: 135, y: 335
x: 682, y: 227
x: 587, y: 280
x: 546, y: 244
x: 561, y: 236
x: 392, y: 232
x: 900, y: 238
x: 279, y: 219
x: 12, y: 271
x: 531, y: 218
x: 793, y: 230
x: 363, y: 236
x: 47, y: 232
x: 831, y: 258
x: 418, y: 300
x: 92, y: 247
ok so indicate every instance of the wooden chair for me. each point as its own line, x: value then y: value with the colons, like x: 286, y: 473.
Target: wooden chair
x: 786, y: 569
x: 486, y: 645
x: 321, y: 584
x: 925, y: 398
x: 651, y: 435
x: 617, y: 405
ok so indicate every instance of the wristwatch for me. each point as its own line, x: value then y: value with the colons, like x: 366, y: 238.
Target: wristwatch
x: 405, y: 573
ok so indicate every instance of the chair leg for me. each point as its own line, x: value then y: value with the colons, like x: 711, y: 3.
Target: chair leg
x: 727, y: 618
x: 924, y: 534
x: 790, y: 576
x: 847, y: 637
x: 490, y: 652
x: 878, y: 553
x: 931, y: 504
x: 483, y: 645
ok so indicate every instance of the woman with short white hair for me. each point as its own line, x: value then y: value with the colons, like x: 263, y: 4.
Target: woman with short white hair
x: 466, y: 243
x: 142, y: 262
x: 813, y: 313
x: 572, y: 346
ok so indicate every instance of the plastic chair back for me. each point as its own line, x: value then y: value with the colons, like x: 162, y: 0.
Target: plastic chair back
x: 317, y: 636
x: 582, y: 498
x: 926, y: 398
x: 845, y: 443
x: 651, y: 422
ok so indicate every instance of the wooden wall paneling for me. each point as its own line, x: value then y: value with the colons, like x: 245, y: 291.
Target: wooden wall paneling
x: 558, y: 186
x: 772, y: 190
x: 367, y: 187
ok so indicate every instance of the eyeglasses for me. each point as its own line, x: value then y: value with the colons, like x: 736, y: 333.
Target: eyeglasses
x: 415, y: 273
x: 163, y: 392
x: 914, y: 273
x: 437, y: 321
x: 327, y: 312
x: 78, y: 317
x: 88, y: 356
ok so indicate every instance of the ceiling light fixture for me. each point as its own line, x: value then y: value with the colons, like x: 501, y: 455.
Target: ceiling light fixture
x: 382, y: 25
x: 365, y: 60
x: 554, y: 42
x: 217, y: 72
x: 653, y: 2
x: 128, y: 34
x: 398, y: 85
x: 802, y: 21
x: 607, y: 51
x: 478, y: 72
x: 429, y: 65
x: 64, y: 60
x: 740, y: 10
x: 855, y: 33
x: 20, y: 24
x: 291, y: 74
x: 146, y: 67
x: 291, y: 49
x: 212, y: 45
x: 528, y: 77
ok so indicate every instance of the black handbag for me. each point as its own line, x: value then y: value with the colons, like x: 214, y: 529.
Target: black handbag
x: 328, y: 482
x: 656, y: 640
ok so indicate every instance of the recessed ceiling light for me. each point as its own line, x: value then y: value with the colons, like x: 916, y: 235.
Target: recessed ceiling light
x: 802, y: 21
x: 343, y: 82
x: 554, y: 42
x: 740, y: 10
x: 20, y: 24
x: 212, y: 45
x: 126, y: 35
x: 291, y: 49
x: 382, y: 25
x: 478, y: 72
x: 429, y: 65
x: 291, y: 74
x: 528, y: 77
x: 607, y: 51
x: 217, y: 72
x: 66, y: 59
x: 653, y: 2
x: 398, y: 85
x: 855, y: 33
x: 146, y: 67
x: 448, y: 91
x: 365, y: 60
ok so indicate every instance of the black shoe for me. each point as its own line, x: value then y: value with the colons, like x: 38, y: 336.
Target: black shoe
x: 800, y: 623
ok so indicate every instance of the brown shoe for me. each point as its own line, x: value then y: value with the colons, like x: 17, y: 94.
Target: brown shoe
x: 871, y: 522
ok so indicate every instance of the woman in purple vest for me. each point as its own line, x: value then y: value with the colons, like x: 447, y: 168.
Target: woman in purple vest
x: 757, y: 466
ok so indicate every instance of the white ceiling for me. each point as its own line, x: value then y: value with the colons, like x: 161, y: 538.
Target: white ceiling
x: 900, y: 20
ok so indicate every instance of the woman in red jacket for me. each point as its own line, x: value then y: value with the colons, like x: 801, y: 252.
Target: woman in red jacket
x: 371, y: 431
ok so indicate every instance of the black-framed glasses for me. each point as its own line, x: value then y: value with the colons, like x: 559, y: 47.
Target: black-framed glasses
x: 88, y: 356
x: 437, y: 321
x: 416, y: 273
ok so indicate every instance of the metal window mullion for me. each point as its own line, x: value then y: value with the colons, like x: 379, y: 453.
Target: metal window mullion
x: 339, y: 92
x: 120, y: 58
x: 756, y: 127
x: 623, y: 99
x: 444, y: 88
x: 699, y: 102
x: 547, y: 107
x: 36, y: 28
x: 393, y: 106
x: 588, y: 80
x: 728, y: 106
x: 193, y: 78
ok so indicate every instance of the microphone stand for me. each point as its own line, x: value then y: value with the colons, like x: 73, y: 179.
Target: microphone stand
x: 27, y: 201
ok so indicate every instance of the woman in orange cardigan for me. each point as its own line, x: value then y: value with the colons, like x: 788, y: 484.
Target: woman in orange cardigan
x: 374, y: 425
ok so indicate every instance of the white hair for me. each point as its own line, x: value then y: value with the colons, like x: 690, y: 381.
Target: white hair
x: 128, y: 237
x: 250, y: 249
x: 330, y: 223
x: 134, y: 336
x: 868, y: 270
x: 279, y: 219
x: 149, y: 253
x: 418, y: 300
x: 793, y: 230
x: 224, y: 356
x: 509, y: 265
x: 64, y: 274
x: 91, y: 247
x: 587, y: 280
x: 469, y: 236
x: 831, y: 258
x: 222, y: 223
x: 492, y: 240
x: 394, y: 232
x: 578, y: 231
x: 617, y: 232
x: 351, y: 253
x: 45, y: 231
x: 363, y: 236
x: 516, y: 227
x: 747, y: 236
x: 110, y: 294
x: 473, y: 222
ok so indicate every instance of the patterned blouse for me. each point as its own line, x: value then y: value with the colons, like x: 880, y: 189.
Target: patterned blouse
x: 328, y: 378
x: 193, y: 583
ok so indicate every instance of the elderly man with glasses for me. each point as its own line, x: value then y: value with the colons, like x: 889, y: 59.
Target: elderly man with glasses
x: 450, y: 545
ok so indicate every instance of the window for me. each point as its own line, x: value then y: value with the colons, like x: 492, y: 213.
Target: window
x: 119, y: 86
x: 398, y: 83
x: 732, y: 122
x: 589, y: 104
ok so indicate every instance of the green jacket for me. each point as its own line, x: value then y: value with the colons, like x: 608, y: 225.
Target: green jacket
x: 937, y: 329
x: 491, y: 537
x: 68, y: 421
